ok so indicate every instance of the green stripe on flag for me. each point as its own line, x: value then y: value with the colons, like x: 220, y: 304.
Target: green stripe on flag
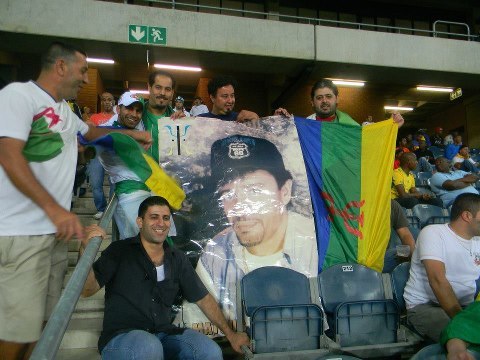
x: 131, y: 154
x: 341, y: 172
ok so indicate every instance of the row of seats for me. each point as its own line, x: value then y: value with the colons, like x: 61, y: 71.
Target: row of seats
x: 422, y: 215
x: 283, y: 312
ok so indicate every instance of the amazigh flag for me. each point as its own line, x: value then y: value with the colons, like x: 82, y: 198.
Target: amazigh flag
x: 349, y: 170
x: 144, y: 168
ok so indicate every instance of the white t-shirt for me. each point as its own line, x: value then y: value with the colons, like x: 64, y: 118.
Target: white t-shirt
x: 198, y: 109
x: 462, y: 265
x: 21, y: 105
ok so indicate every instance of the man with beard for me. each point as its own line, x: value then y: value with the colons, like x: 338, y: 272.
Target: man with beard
x: 142, y: 276
x: 128, y: 187
x: 222, y: 93
x: 254, y: 190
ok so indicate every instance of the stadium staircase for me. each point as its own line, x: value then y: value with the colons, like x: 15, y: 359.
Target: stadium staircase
x: 80, y: 339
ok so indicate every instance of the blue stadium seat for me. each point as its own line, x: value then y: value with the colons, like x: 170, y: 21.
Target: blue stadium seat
x: 422, y: 177
x: 414, y: 222
x: 437, y: 151
x: 426, y: 211
x: 415, y: 230
x: 338, y: 357
x: 399, y: 277
x: 365, y: 322
x: 283, y: 318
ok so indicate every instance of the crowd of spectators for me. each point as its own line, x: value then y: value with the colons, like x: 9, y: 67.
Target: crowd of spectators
x: 432, y: 291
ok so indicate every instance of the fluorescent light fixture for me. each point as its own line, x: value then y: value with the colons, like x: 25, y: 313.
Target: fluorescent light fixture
x: 100, y: 61
x: 433, y: 88
x: 177, y: 67
x: 398, y: 108
x: 134, y: 91
x: 355, y: 83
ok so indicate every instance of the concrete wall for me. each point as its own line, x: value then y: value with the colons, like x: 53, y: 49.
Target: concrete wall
x: 106, y: 21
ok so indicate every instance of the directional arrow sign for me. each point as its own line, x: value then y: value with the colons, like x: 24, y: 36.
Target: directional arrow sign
x: 138, y: 34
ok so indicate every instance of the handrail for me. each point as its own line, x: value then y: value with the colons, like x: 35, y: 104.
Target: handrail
x: 52, y: 335
x: 317, y: 21
x: 451, y: 23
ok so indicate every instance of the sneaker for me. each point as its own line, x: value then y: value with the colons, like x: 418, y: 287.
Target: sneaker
x: 98, y: 215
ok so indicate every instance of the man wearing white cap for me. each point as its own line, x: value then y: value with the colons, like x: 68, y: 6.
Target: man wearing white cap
x: 179, y: 108
x: 131, y: 191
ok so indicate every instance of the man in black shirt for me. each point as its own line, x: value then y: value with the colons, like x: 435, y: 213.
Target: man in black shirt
x: 425, y: 157
x: 142, y: 276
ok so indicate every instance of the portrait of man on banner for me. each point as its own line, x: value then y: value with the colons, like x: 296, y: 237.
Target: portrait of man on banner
x: 248, y: 203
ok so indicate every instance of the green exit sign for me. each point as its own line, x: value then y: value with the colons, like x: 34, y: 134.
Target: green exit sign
x: 143, y: 34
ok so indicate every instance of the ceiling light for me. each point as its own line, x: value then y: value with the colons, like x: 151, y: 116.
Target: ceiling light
x: 100, y: 61
x: 398, y: 108
x: 356, y: 83
x: 139, y: 91
x: 177, y: 67
x: 433, y: 88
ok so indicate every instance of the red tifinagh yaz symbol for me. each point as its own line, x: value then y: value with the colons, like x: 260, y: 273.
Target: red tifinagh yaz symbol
x: 345, y: 214
x: 49, y: 113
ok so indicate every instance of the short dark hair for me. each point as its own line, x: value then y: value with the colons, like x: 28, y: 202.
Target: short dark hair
x: 220, y: 81
x: 153, y: 75
x: 152, y: 201
x: 465, y: 202
x: 324, y: 83
x: 406, y: 157
x: 58, y: 50
x: 463, y: 146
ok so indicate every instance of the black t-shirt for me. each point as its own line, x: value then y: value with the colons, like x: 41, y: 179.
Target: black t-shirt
x: 232, y: 116
x: 426, y: 154
x: 134, y: 300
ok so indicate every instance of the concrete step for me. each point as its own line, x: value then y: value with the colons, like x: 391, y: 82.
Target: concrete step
x: 88, y: 219
x: 74, y: 245
x: 82, y: 333
x: 78, y: 354
x: 73, y: 257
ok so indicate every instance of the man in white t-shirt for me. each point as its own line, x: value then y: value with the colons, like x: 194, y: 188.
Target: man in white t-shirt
x: 38, y: 156
x: 198, y: 107
x: 444, y: 268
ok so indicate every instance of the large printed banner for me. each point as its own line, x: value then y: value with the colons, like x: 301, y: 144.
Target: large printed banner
x: 249, y: 194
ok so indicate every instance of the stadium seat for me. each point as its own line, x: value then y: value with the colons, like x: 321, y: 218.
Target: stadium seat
x: 425, y: 211
x: 399, y: 277
x: 338, y: 357
x: 365, y: 322
x: 437, y: 151
x: 422, y: 177
x: 415, y: 231
x: 282, y: 317
x: 414, y: 222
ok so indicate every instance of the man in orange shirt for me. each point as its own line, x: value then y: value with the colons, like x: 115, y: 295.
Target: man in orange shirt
x: 95, y: 169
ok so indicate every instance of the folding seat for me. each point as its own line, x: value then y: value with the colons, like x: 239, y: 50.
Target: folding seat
x: 437, y: 352
x: 430, y: 213
x: 276, y: 304
x: 421, y: 180
x: 399, y: 277
x: 365, y: 323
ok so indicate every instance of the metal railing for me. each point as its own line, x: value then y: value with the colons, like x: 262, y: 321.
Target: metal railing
x: 52, y: 335
x: 317, y: 21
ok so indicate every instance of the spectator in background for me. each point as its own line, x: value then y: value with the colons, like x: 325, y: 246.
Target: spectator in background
x: 107, y: 102
x: 447, y: 184
x: 423, y: 132
x: 399, y: 224
x: 425, y: 157
x: 403, y: 185
x: 179, y: 108
x: 452, y: 149
x: 444, y: 268
x: 437, y: 138
x: 198, y: 107
x: 86, y: 113
x: 222, y: 93
x: 449, y: 138
x: 463, y: 160
x: 95, y: 169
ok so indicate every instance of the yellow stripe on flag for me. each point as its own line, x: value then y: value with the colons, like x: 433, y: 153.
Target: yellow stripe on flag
x: 378, y: 152
x: 163, y: 185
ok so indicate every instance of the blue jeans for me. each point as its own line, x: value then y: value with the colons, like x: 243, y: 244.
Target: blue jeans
x: 97, y: 174
x: 141, y: 345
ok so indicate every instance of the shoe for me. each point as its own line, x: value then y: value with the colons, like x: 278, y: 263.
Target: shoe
x: 98, y: 215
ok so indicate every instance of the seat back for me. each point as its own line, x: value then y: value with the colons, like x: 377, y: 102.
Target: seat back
x: 349, y: 282
x: 422, y: 178
x: 438, y: 220
x: 273, y: 285
x: 286, y: 328
x: 367, y: 323
x: 426, y: 211
x: 399, y: 278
